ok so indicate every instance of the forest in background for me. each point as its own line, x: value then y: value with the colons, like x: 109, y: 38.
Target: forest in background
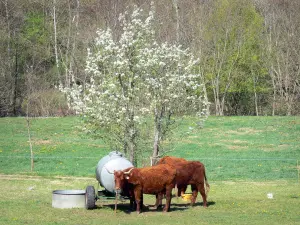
x: 248, y: 50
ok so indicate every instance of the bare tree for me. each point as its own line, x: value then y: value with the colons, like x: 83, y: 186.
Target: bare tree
x: 281, y: 20
x: 55, y: 37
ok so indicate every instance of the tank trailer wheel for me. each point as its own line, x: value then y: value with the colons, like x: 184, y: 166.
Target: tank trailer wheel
x: 90, y: 197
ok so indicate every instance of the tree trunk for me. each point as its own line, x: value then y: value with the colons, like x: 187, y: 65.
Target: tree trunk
x: 30, y: 143
x: 131, y: 135
x: 255, y: 101
x: 8, y: 31
x: 16, y: 75
x: 7, y: 76
x: 274, y: 94
x: 132, y: 150
x: 132, y: 145
x: 157, y: 133
x: 29, y: 87
x: 55, y: 38
x: 255, y: 94
x: 175, y: 3
x: 72, y: 54
x: 156, y: 142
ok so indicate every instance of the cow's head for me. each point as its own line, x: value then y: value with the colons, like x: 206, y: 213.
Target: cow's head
x: 119, y: 180
x: 128, y: 173
x: 121, y: 177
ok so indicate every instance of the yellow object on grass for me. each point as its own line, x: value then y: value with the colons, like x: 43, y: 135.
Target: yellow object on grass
x: 186, y: 197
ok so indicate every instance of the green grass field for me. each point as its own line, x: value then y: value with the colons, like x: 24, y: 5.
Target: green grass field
x: 232, y: 148
x: 245, y: 158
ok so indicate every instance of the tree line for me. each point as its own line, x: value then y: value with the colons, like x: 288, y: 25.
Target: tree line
x: 248, y: 50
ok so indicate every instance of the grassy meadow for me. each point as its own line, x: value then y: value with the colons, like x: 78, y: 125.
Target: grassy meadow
x: 232, y: 148
x: 245, y: 158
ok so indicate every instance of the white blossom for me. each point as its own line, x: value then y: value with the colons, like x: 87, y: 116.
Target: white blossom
x: 127, y: 73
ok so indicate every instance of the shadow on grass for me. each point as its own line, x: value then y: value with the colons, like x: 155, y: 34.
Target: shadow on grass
x: 184, y: 206
x: 125, y: 207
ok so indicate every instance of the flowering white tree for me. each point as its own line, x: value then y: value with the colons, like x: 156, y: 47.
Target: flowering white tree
x: 133, y: 76
x: 173, y: 86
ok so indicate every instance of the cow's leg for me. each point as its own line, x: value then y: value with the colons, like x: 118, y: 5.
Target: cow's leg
x: 168, y: 199
x: 132, y: 200
x: 183, y: 190
x: 132, y: 204
x: 142, y: 201
x: 158, y: 202
x: 201, y: 188
x: 180, y: 190
x: 138, y: 194
x: 195, y: 193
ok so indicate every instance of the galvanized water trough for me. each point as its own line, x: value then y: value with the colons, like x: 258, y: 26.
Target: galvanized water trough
x: 87, y: 198
x: 65, y: 199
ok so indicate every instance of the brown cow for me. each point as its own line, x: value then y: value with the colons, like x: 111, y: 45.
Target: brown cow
x: 158, y: 180
x: 126, y: 189
x: 173, y: 161
x: 170, y: 160
x: 193, y: 173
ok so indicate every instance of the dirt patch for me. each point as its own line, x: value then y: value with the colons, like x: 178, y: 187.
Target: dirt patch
x: 37, y: 178
x: 97, y: 145
x: 283, y: 147
x: 42, y: 142
x: 243, y: 131
x: 268, y: 148
x: 239, y: 142
x: 237, y: 147
x: 272, y: 147
x: 258, y: 183
x: 189, y: 141
x: 19, y: 177
x: 236, y: 141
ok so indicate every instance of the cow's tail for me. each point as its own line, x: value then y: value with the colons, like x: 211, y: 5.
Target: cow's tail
x: 207, y: 187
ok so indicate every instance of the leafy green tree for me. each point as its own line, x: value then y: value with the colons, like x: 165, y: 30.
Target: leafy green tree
x: 233, y: 33
x: 251, y: 73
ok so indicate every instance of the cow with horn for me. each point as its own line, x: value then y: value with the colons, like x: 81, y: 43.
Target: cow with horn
x: 125, y: 189
x: 156, y: 180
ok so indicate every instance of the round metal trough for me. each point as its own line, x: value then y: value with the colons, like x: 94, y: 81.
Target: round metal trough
x: 65, y: 199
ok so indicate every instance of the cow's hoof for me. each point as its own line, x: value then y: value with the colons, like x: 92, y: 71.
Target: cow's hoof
x: 157, y: 207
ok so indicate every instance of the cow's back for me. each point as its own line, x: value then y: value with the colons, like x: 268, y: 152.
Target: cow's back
x: 154, y: 179
x: 171, y: 160
x: 189, y: 172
